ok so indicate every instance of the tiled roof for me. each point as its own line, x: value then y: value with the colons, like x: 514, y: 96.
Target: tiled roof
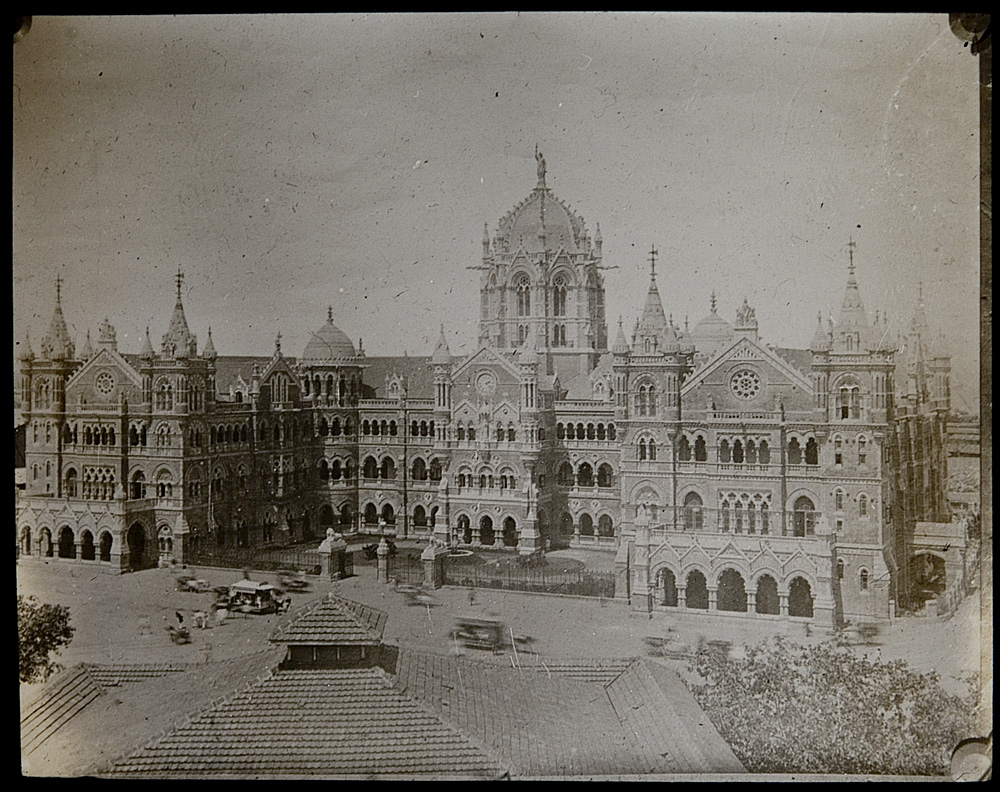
x: 670, y: 722
x: 116, y: 675
x: 76, y: 725
x: 70, y: 693
x: 229, y: 367
x: 418, y: 371
x: 550, y: 724
x: 62, y: 701
x: 602, y: 669
x: 332, y: 621
x: 321, y: 724
x: 800, y: 358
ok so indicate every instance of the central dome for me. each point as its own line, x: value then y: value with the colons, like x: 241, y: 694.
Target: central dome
x: 328, y: 343
x: 713, y: 333
x: 542, y: 222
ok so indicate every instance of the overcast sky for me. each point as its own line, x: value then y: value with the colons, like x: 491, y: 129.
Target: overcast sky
x: 293, y: 162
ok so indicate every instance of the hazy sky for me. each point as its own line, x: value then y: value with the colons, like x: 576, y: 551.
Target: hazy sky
x: 287, y: 163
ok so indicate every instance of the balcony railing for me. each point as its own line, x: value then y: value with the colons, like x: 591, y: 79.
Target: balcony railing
x: 752, y: 522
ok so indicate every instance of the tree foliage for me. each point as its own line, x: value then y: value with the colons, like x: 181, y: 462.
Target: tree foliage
x: 42, y: 630
x: 824, y: 709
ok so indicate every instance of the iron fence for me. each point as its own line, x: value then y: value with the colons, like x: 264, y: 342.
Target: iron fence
x: 258, y: 558
x: 580, y: 582
x: 405, y: 568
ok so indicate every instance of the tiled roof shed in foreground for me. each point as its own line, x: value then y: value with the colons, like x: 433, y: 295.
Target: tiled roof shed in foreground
x: 542, y: 723
x: 347, y: 723
x: 332, y: 621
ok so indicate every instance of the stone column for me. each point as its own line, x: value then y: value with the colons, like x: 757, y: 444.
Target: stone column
x: 434, y: 558
x: 641, y: 595
x: 751, y: 602
x: 529, y: 539
x: 622, y: 571
x: 335, y: 562
x: 783, y: 603
x: 713, y: 598
x: 682, y: 596
x: 382, y: 575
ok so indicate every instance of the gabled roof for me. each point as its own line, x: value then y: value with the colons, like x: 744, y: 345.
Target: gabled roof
x: 332, y: 621
x: 106, y: 357
x: 346, y: 723
x: 487, y: 355
x: 744, y: 348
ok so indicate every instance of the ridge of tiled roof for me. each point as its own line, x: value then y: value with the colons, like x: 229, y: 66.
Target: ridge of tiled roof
x: 116, y: 674
x: 342, y: 723
x: 332, y: 621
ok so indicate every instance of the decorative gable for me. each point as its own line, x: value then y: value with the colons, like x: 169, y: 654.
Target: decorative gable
x: 103, y: 379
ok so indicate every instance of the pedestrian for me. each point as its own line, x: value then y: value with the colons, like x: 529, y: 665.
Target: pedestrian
x: 221, y: 614
x: 472, y: 596
x: 180, y: 618
x: 200, y: 619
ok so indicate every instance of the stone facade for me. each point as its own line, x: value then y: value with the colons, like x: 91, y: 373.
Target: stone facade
x: 724, y: 473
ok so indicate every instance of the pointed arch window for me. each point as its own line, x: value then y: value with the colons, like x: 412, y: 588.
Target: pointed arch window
x: 522, y: 288
x: 559, y: 289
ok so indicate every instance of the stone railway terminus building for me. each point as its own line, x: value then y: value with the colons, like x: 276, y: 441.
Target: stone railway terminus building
x: 725, y: 474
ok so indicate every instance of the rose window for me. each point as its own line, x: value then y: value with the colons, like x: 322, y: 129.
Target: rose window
x: 745, y: 384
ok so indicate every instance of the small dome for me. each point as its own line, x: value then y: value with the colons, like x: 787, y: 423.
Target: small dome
x: 712, y: 334
x: 328, y: 343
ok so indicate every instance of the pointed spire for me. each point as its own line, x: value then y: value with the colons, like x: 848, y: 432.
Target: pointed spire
x: 821, y: 339
x: 56, y: 344
x: 620, y: 346
x: 712, y: 302
x: 853, y: 330
x: 209, y: 351
x: 88, y: 350
x: 329, y: 314
x: 25, y: 353
x: 277, y: 344
x: 442, y: 355
x: 178, y: 341
x: 147, y: 347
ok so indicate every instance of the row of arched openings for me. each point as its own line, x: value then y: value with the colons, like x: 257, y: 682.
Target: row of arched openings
x: 588, y: 431
x: 488, y: 533
x: 66, y: 547
x: 731, y: 593
x: 584, y: 475
x: 605, y: 525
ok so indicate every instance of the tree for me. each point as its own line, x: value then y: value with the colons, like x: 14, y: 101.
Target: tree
x: 823, y: 709
x: 41, y: 630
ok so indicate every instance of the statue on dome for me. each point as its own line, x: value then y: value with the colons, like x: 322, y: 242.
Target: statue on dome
x: 541, y: 167
x: 746, y: 315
